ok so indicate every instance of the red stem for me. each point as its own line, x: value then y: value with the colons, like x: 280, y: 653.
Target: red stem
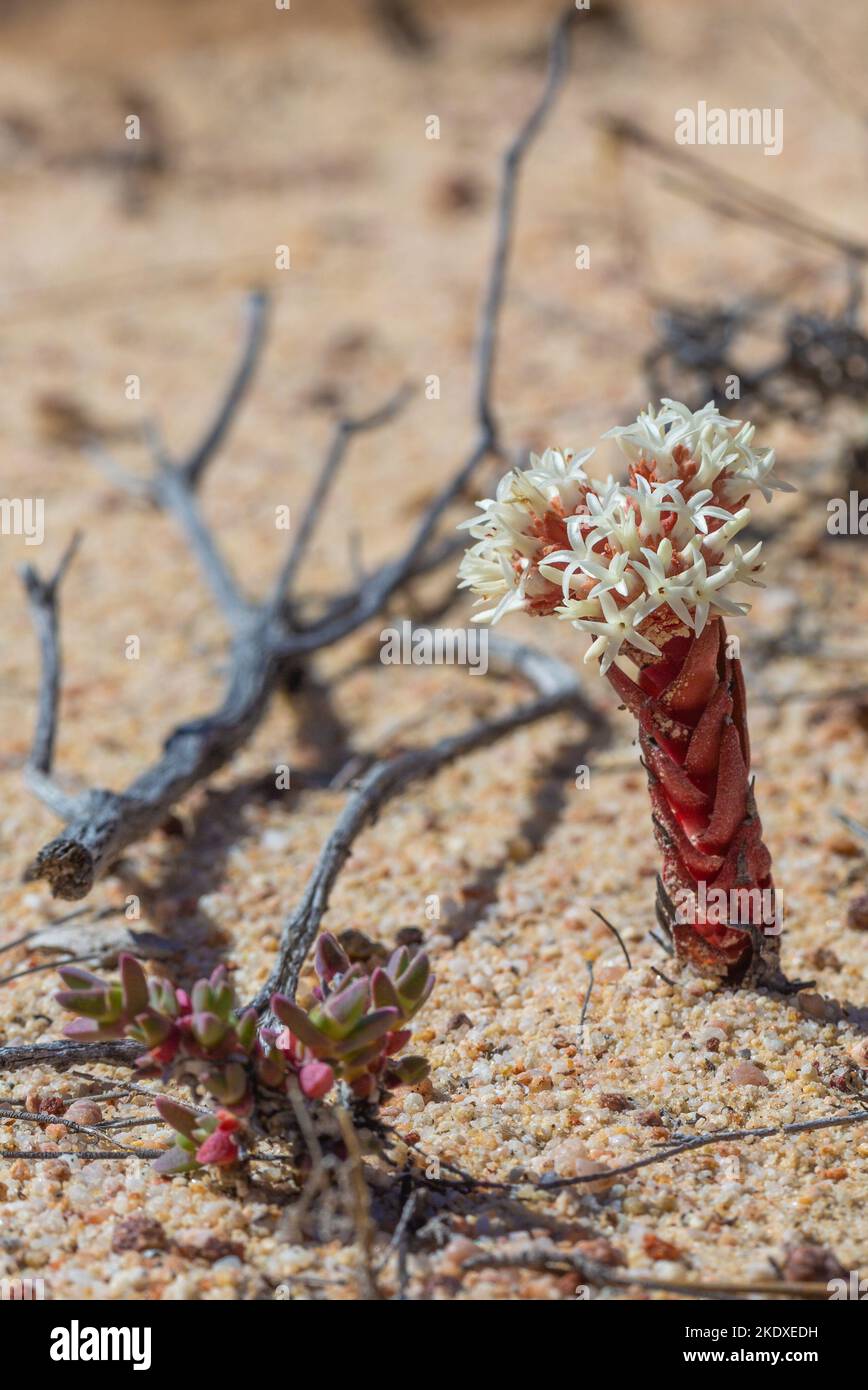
x: 716, y: 897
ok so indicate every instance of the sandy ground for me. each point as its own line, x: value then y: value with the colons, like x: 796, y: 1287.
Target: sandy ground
x: 308, y: 129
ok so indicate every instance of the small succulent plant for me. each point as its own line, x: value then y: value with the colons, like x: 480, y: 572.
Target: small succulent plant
x: 649, y: 568
x: 199, y: 1036
x: 351, y: 1035
x: 359, y: 1021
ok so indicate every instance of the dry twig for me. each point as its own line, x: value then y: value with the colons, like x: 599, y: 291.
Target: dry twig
x: 544, y: 1255
x: 365, y: 1231
x: 467, y: 1182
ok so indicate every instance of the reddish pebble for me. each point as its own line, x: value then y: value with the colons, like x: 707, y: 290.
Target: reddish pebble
x: 84, y: 1112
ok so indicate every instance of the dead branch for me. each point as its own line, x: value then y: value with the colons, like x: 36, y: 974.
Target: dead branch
x: 193, y: 467
x: 344, y: 431
x: 94, y: 1131
x: 268, y: 639
x: 544, y: 1255
x: 854, y: 826
x: 257, y: 323
x: 558, y: 689
x: 42, y: 595
x: 616, y: 934
x: 350, y: 610
x: 101, y: 823
x: 732, y: 196
x: 62, y: 1054
x: 365, y: 1231
x: 586, y: 1002
x: 87, y: 1155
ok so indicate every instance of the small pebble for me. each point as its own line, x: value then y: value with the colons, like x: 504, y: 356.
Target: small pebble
x: 748, y: 1074
x: 657, y: 1249
x: 138, y: 1232
x: 205, y: 1245
x: 809, y: 1263
x: 857, y: 913
x: 859, y: 1052
x: 571, y: 1161
x: 602, y: 1252
x: 84, y: 1112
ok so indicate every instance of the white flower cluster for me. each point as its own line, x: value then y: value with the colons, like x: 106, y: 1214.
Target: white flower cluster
x: 655, y: 555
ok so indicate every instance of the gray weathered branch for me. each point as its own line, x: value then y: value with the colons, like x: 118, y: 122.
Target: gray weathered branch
x: 334, y: 458
x: 557, y: 689
x: 62, y: 1054
x: 42, y: 598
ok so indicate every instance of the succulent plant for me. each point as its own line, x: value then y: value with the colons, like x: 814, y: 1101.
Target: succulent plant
x: 358, y: 1023
x: 199, y: 1035
x: 647, y: 567
x: 351, y: 1034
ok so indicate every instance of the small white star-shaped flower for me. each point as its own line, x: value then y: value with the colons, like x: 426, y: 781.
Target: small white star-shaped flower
x: 702, y: 592
x: 660, y: 587
x: 616, y: 627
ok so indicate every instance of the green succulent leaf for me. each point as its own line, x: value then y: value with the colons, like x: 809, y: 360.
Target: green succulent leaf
x: 86, y: 1030
x: 414, y: 981
x: 162, y: 997
x: 245, y: 1029
x: 344, y: 1009
x: 208, y: 1029
x: 349, y: 1063
x: 398, y: 962
x: 202, y: 997
x: 89, y: 1003
x: 76, y: 978
x: 383, y: 991
x: 154, y: 1028
x: 271, y: 1070
x: 330, y: 959
x: 297, y: 1021
x: 229, y: 1085
x: 134, y: 985
x: 181, y: 1117
x: 175, y: 1160
x: 223, y: 995
x: 372, y: 1027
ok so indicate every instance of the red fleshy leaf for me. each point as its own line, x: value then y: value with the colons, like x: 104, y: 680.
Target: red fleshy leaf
x: 702, y: 752
x: 730, y: 798
x: 316, y: 1079
x: 683, y: 793
x: 692, y: 688
x: 220, y: 1148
